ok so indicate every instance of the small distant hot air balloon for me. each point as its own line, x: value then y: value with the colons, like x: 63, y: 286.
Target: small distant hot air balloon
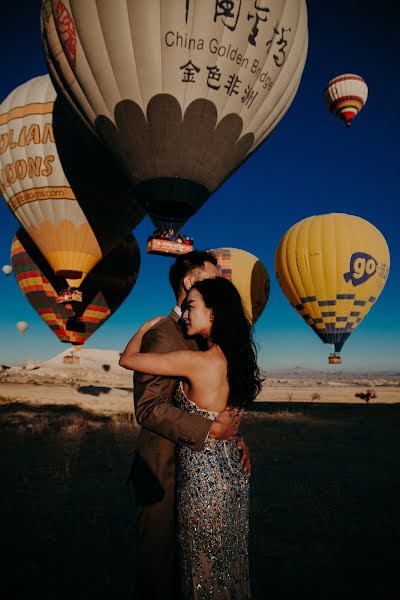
x: 332, y: 269
x: 181, y: 104
x: 22, y: 326
x: 248, y: 275
x: 104, y: 289
x: 345, y: 95
x: 7, y: 269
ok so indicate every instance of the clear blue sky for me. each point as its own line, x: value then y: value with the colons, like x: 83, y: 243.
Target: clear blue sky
x: 310, y: 165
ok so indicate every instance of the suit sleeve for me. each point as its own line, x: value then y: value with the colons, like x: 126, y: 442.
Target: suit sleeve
x: 153, y: 407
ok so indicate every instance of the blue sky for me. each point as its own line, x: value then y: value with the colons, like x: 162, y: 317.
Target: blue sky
x: 311, y: 164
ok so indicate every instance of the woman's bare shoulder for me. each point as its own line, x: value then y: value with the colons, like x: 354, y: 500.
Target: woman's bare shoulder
x: 215, y: 358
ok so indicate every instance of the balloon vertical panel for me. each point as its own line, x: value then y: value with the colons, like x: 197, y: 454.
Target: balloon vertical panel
x: 59, y: 68
x: 282, y: 96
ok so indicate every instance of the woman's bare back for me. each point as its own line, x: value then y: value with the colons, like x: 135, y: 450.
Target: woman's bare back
x: 208, y: 386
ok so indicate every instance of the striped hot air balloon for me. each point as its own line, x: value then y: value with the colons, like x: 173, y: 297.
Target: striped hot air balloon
x: 332, y: 269
x: 59, y: 182
x: 345, y: 95
x: 248, y: 275
x: 181, y: 92
x: 104, y: 289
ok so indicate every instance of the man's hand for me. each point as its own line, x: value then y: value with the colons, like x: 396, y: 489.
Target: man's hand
x: 245, y: 460
x: 226, y: 425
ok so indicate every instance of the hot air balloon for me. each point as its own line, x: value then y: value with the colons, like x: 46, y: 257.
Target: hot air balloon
x: 181, y: 94
x: 332, y: 269
x: 60, y: 183
x: 7, y: 269
x: 249, y: 276
x: 22, y: 326
x: 104, y: 289
x: 345, y: 95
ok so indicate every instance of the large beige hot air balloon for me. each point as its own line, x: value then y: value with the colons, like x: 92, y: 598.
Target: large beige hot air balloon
x: 181, y: 92
x: 332, y: 269
x: 248, y: 275
x: 60, y: 184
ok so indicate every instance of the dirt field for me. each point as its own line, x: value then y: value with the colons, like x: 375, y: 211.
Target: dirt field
x: 325, y: 495
x: 110, y: 397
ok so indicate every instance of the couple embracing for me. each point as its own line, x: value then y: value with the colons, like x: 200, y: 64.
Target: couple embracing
x: 195, y: 372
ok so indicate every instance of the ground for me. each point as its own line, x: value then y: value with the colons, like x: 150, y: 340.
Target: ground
x: 325, y: 488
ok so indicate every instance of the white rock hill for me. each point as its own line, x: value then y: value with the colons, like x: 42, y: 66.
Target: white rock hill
x: 90, y: 359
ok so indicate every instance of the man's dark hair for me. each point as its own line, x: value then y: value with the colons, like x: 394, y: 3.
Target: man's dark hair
x: 187, y: 264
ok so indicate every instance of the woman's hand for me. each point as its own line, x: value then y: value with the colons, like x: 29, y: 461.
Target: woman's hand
x: 149, y: 324
x: 134, y: 344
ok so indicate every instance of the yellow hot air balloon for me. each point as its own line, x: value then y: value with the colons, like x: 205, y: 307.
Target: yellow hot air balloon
x: 332, y: 269
x: 345, y: 95
x: 181, y: 92
x: 249, y: 276
x: 60, y: 184
x: 7, y: 269
x: 22, y: 326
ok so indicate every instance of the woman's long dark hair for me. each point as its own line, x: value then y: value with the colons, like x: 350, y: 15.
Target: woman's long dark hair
x: 232, y: 331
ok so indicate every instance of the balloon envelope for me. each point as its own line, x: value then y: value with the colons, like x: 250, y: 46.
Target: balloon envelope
x: 345, y: 95
x: 22, y: 326
x: 104, y: 289
x: 7, y: 269
x: 249, y: 276
x: 181, y: 92
x: 332, y: 269
x: 59, y: 182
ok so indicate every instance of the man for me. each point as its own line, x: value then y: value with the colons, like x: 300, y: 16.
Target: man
x: 163, y: 426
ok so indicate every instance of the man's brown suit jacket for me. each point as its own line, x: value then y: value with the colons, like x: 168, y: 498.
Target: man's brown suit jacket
x: 163, y: 424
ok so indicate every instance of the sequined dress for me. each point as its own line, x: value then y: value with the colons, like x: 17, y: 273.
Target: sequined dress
x: 213, y: 517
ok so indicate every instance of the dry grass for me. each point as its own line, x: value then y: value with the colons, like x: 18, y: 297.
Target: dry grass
x: 324, y: 513
x: 124, y: 421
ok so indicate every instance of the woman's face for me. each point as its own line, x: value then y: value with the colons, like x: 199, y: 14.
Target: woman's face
x: 197, y: 317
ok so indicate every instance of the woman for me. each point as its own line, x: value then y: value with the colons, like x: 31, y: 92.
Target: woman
x: 212, y: 488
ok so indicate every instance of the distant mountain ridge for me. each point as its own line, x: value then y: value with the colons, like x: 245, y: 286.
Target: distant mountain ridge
x: 105, y: 363
x: 332, y: 374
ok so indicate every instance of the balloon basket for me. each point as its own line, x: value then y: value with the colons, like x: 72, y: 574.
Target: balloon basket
x: 165, y: 246
x: 69, y: 295
x: 335, y: 359
x: 71, y: 359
